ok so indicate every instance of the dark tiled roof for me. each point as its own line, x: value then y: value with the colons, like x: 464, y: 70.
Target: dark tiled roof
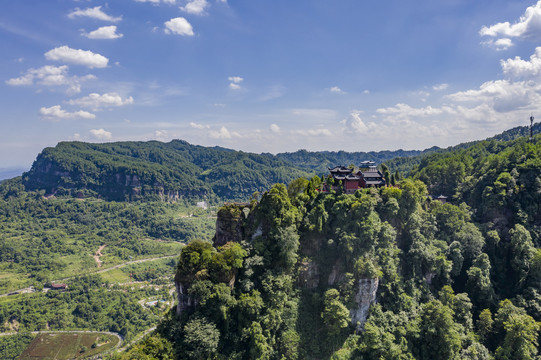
x: 371, y: 174
x: 340, y: 169
x: 375, y: 182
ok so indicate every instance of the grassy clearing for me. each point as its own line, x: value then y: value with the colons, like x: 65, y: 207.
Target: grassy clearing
x: 62, y: 346
x: 115, y: 276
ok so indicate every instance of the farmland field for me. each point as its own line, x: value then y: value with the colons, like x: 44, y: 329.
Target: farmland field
x: 64, y: 346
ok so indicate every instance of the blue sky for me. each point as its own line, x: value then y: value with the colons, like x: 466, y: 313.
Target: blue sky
x: 266, y: 76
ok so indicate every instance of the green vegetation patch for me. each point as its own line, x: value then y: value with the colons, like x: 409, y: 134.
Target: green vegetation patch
x: 42, y: 240
x: 64, y: 346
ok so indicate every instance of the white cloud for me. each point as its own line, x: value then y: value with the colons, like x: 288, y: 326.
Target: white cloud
x: 235, y: 81
x: 314, y: 132
x: 51, y: 76
x: 337, y: 90
x: 355, y: 123
x: 161, y: 134
x: 404, y: 110
x: 518, y: 68
x: 178, y: 26
x: 502, y: 95
x: 275, y: 128
x: 528, y: 27
x: 521, y: 90
x: 499, y: 44
x: 80, y: 57
x: 104, y: 32
x: 56, y: 113
x: 223, y: 133
x: 199, y: 126
x: 97, y: 101
x: 195, y: 7
x: 440, y: 87
x: 101, y: 134
x: 94, y: 13
x: 366, y: 92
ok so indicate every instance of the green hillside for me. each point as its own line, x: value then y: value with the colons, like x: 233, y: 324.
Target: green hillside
x: 154, y: 170
x: 381, y: 274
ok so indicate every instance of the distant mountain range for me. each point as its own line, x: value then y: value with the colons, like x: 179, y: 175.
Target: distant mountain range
x: 142, y: 170
x: 11, y: 172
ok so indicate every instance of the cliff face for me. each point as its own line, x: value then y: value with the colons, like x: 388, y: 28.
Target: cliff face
x: 234, y: 223
x: 109, y: 183
x: 365, y: 296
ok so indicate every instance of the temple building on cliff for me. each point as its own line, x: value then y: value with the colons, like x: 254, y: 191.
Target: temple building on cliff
x: 352, y: 179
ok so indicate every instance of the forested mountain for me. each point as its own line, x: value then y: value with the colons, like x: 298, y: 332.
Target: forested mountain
x: 380, y: 274
x: 160, y: 171
x: 154, y: 170
x: 320, y: 161
x: 405, y: 165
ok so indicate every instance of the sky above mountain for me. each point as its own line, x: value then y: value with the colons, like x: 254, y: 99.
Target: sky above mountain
x: 266, y: 76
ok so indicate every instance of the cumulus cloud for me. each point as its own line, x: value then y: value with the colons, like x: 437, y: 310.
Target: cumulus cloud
x: 502, y: 95
x: 235, y: 82
x: 223, y: 133
x: 178, y: 26
x: 404, y: 110
x: 440, y: 87
x: 195, y: 7
x: 520, y: 90
x: 275, y: 128
x: 337, y: 90
x: 199, y: 126
x: 57, y: 113
x: 528, y: 27
x: 51, y: 76
x: 493, y: 106
x: 518, y: 68
x: 355, y: 123
x: 93, y: 13
x: 96, y: 101
x: 104, y: 32
x: 79, y: 57
x: 101, y: 134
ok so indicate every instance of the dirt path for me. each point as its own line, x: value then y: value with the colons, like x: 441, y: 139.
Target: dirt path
x: 98, y: 255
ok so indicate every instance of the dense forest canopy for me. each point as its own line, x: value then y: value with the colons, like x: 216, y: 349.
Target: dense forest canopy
x: 294, y: 273
x: 380, y: 274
